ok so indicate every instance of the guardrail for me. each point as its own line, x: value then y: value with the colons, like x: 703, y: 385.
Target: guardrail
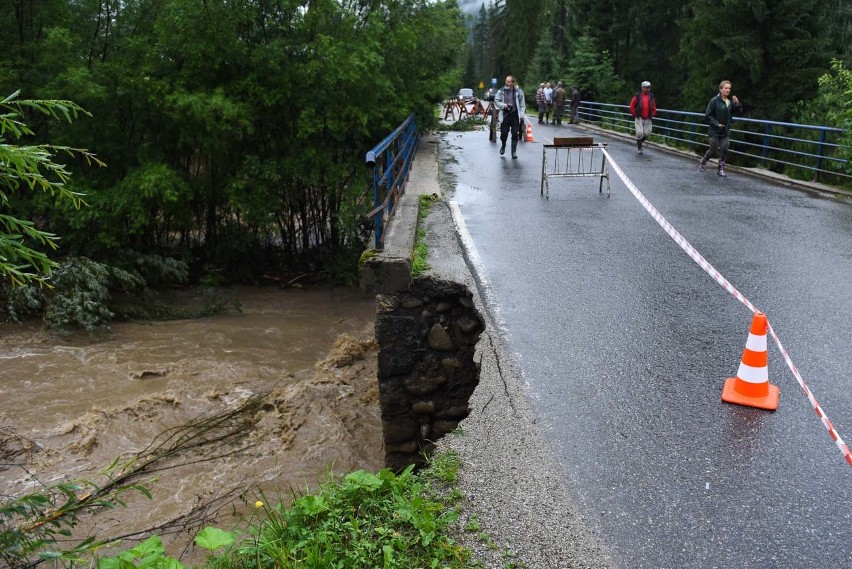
x: 390, y: 160
x: 772, y: 144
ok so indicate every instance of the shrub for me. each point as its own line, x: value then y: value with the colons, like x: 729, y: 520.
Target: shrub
x: 81, y: 294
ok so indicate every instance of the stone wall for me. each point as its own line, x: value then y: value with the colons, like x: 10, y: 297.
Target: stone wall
x: 426, y: 370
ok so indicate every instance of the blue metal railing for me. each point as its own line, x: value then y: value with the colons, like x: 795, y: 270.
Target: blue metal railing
x: 780, y: 144
x: 390, y: 160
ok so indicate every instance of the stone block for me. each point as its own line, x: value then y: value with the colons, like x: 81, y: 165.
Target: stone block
x: 399, y: 429
x: 424, y: 385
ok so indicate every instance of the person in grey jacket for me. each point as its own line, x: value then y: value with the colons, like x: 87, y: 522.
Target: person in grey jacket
x: 512, y: 106
x: 720, y: 112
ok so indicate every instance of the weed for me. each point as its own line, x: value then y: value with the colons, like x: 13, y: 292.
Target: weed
x: 444, y: 467
x: 419, y: 265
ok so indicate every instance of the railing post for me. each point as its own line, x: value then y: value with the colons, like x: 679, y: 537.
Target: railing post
x: 390, y: 161
x: 820, y: 154
x: 765, y: 151
x: 378, y: 219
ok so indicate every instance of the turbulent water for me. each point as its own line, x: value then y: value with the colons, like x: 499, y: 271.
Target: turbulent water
x: 70, y: 406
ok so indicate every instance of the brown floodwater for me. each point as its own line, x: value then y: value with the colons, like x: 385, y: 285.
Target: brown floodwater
x: 70, y: 406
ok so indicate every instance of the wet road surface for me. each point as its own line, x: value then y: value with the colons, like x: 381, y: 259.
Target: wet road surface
x: 625, y: 343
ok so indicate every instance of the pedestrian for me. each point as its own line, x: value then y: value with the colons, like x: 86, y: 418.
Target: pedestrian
x: 540, y: 101
x: 720, y: 112
x: 548, y: 99
x: 575, y: 104
x: 643, y: 107
x: 510, y: 101
x: 558, y: 103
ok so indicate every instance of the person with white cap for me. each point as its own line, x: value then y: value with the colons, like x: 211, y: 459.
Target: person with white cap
x: 643, y: 107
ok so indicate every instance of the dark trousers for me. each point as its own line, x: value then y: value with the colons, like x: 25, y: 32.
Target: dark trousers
x: 718, y: 144
x: 510, y: 121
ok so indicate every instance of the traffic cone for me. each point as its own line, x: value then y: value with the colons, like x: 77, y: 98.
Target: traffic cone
x: 751, y: 386
x: 529, y: 132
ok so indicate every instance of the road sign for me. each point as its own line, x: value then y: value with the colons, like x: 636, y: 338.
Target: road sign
x: 481, y: 85
x: 493, y: 81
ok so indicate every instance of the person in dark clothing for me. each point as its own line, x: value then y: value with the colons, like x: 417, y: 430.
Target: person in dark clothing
x: 575, y: 104
x: 558, y: 103
x: 643, y: 107
x: 512, y: 105
x: 720, y: 112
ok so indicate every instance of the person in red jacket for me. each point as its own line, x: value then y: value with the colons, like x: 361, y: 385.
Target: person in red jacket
x: 643, y: 107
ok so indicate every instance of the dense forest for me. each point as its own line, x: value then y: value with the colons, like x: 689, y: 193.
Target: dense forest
x: 232, y: 134
x: 225, y: 141
x: 774, y: 51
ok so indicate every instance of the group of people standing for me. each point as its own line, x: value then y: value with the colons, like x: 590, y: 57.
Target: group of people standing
x: 511, y: 103
x: 719, y: 114
x: 550, y: 100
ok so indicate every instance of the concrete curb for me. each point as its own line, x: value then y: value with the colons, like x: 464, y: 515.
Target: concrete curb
x: 389, y: 270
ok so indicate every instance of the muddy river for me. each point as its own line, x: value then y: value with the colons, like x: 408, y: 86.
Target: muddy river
x: 305, y: 357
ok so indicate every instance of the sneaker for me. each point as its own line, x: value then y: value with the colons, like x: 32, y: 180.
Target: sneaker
x: 702, y: 167
x: 638, y: 151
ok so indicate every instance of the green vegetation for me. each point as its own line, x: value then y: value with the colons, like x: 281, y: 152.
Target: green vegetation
x: 23, y: 245
x: 234, y: 132
x: 685, y: 49
x: 35, y: 526
x: 464, y: 124
x: 361, y: 520
x: 834, y: 100
x: 419, y: 265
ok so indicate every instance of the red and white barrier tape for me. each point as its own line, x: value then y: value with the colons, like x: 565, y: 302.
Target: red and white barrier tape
x: 715, y: 275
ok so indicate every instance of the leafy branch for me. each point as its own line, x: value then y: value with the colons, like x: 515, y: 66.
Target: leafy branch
x: 33, y: 167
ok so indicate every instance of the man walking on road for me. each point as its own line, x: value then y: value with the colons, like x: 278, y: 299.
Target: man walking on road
x: 511, y: 104
x: 643, y: 107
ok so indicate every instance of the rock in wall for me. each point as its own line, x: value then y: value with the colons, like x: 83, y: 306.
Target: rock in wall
x: 427, y: 336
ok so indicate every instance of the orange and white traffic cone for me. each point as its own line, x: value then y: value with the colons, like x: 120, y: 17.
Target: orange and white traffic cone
x: 529, y: 132
x: 751, y: 386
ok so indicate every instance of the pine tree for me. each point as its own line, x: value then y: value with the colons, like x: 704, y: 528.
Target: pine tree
x: 772, y: 50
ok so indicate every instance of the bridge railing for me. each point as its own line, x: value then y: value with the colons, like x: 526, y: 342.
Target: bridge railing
x: 390, y: 160
x: 797, y: 149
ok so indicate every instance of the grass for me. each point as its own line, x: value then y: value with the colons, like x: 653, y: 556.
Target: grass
x: 419, y: 265
x: 360, y: 521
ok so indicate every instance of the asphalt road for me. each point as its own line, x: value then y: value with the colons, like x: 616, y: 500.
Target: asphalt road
x: 624, y: 344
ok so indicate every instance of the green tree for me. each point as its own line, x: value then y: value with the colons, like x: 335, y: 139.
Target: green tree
x: 772, y: 50
x: 833, y: 107
x: 237, y: 131
x: 544, y: 65
x: 23, y: 245
x: 592, y: 71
